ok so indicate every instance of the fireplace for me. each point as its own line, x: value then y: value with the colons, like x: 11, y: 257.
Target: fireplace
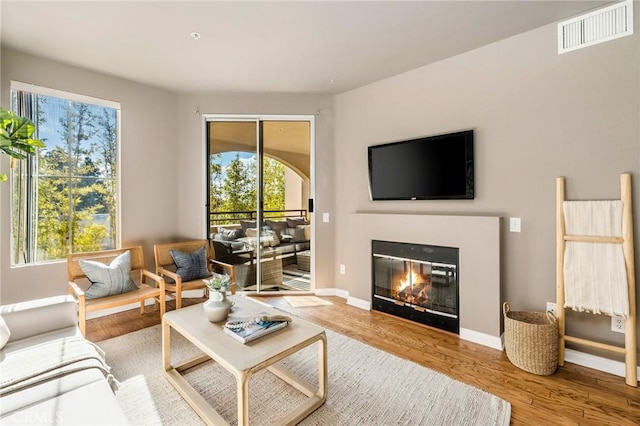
x: 417, y: 282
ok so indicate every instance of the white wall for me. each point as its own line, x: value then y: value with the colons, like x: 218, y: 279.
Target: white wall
x: 536, y: 115
x: 148, y: 175
x: 192, y: 168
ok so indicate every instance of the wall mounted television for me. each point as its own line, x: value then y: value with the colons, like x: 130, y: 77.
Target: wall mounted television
x: 429, y: 168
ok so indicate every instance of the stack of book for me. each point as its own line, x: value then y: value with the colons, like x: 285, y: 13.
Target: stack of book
x: 247, y: 329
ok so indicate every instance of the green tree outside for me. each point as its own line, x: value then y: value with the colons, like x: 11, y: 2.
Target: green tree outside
x: 273, y: 177
x: 238, y: 189
x: 233, y: 188
x: 76, y: 182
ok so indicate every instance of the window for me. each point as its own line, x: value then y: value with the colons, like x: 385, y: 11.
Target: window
x: 65, y: 199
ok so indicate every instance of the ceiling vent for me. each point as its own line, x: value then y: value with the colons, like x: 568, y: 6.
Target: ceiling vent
x: 608, y: 23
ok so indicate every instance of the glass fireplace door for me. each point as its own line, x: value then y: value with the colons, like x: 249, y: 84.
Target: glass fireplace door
x: 422, y: 285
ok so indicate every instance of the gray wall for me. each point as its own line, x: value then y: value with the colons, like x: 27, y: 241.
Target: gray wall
x: 536, y: 115
x: 163, y: 171
x: 148, y: 149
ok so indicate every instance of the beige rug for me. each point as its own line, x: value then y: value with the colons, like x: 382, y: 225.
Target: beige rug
x: 306, y: 301
x: 366, y: 387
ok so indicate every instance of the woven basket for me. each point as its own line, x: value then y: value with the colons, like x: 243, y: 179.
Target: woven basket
x: 531, y: 340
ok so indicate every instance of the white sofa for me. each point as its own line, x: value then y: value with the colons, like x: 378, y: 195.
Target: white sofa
x: 77, y: 393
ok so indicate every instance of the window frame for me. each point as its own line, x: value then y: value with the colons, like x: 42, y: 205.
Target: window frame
x: 16, y: 86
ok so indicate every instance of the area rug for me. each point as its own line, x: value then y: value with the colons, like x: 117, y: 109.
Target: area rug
x: 366, y: 387
x: 306, y: 301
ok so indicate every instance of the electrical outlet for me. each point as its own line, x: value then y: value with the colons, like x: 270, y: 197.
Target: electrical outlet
x: 551, y: 307
x: 343, y: 269
x: 617, y: 324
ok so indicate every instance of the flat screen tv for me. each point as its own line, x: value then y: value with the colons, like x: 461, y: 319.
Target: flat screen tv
x: 430, y: 168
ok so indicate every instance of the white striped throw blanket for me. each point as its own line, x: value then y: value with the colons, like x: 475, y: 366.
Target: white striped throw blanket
x: 37, y: 364
x: 595, y: 273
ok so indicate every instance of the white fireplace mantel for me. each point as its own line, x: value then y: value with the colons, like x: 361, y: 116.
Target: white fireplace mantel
x: 478, y: 241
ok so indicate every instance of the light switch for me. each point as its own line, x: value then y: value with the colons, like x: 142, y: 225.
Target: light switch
x: 514, y: 224
x: 325, y: 217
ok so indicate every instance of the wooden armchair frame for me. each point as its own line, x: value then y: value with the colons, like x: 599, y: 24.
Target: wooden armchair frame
x: 139, y: 273
x: 165, y: 267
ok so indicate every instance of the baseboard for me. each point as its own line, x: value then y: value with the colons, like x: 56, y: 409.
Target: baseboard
x: 197, y: 293
x: 481, y: 338
x: 332, y: 292
x: 104, y: 312
x: 599, y: 363
x: 359, y: 303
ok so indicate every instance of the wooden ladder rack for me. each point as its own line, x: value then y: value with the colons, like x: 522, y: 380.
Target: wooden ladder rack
x: 631, y: 338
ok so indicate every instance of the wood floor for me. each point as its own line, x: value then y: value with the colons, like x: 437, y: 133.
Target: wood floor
x: 573, y: 395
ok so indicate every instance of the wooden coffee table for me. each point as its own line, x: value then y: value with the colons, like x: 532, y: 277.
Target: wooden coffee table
x: 243, y: 360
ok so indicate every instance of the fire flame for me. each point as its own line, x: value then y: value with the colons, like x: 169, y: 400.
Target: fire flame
x: 413, y: 287
x: 410, y: 277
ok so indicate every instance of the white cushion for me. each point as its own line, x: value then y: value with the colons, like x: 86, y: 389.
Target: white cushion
x: 5, y: 333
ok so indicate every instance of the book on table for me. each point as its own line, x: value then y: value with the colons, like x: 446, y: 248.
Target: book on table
x: 247, y: 329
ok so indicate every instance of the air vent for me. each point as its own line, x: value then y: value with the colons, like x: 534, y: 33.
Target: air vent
x: 595, y: 27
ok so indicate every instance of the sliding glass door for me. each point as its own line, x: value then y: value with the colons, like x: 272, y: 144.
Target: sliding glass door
x: 259, y: 186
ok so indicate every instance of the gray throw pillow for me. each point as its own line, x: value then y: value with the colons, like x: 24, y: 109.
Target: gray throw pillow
x: 278, y: 226
x: 191, y: 266
x: 108, y: 280
x: 297, y: 235
x: 245, y: 224
x: 294, y: 222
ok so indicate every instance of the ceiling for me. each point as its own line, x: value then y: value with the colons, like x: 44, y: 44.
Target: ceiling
x: 321, y: 47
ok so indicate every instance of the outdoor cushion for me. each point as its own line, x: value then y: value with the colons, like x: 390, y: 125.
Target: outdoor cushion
x: 108, y: 280
x: 228, y: 234
x: 297, y: 234
x: 245, y: 224
x: 272, y: 237
x: 307, y: 231
x: 294, y: 222
x: 278, y: 226
x: 231, y: 246
x: 191, y: 266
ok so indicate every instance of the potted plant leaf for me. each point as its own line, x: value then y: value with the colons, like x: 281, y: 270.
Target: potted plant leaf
x: 16, y: 137
x: 217, y: 307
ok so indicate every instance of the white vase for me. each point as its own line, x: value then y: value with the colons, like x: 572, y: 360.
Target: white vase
x: 217, y: 307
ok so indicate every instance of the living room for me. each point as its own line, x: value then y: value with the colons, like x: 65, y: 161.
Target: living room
x: 536, y: 115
